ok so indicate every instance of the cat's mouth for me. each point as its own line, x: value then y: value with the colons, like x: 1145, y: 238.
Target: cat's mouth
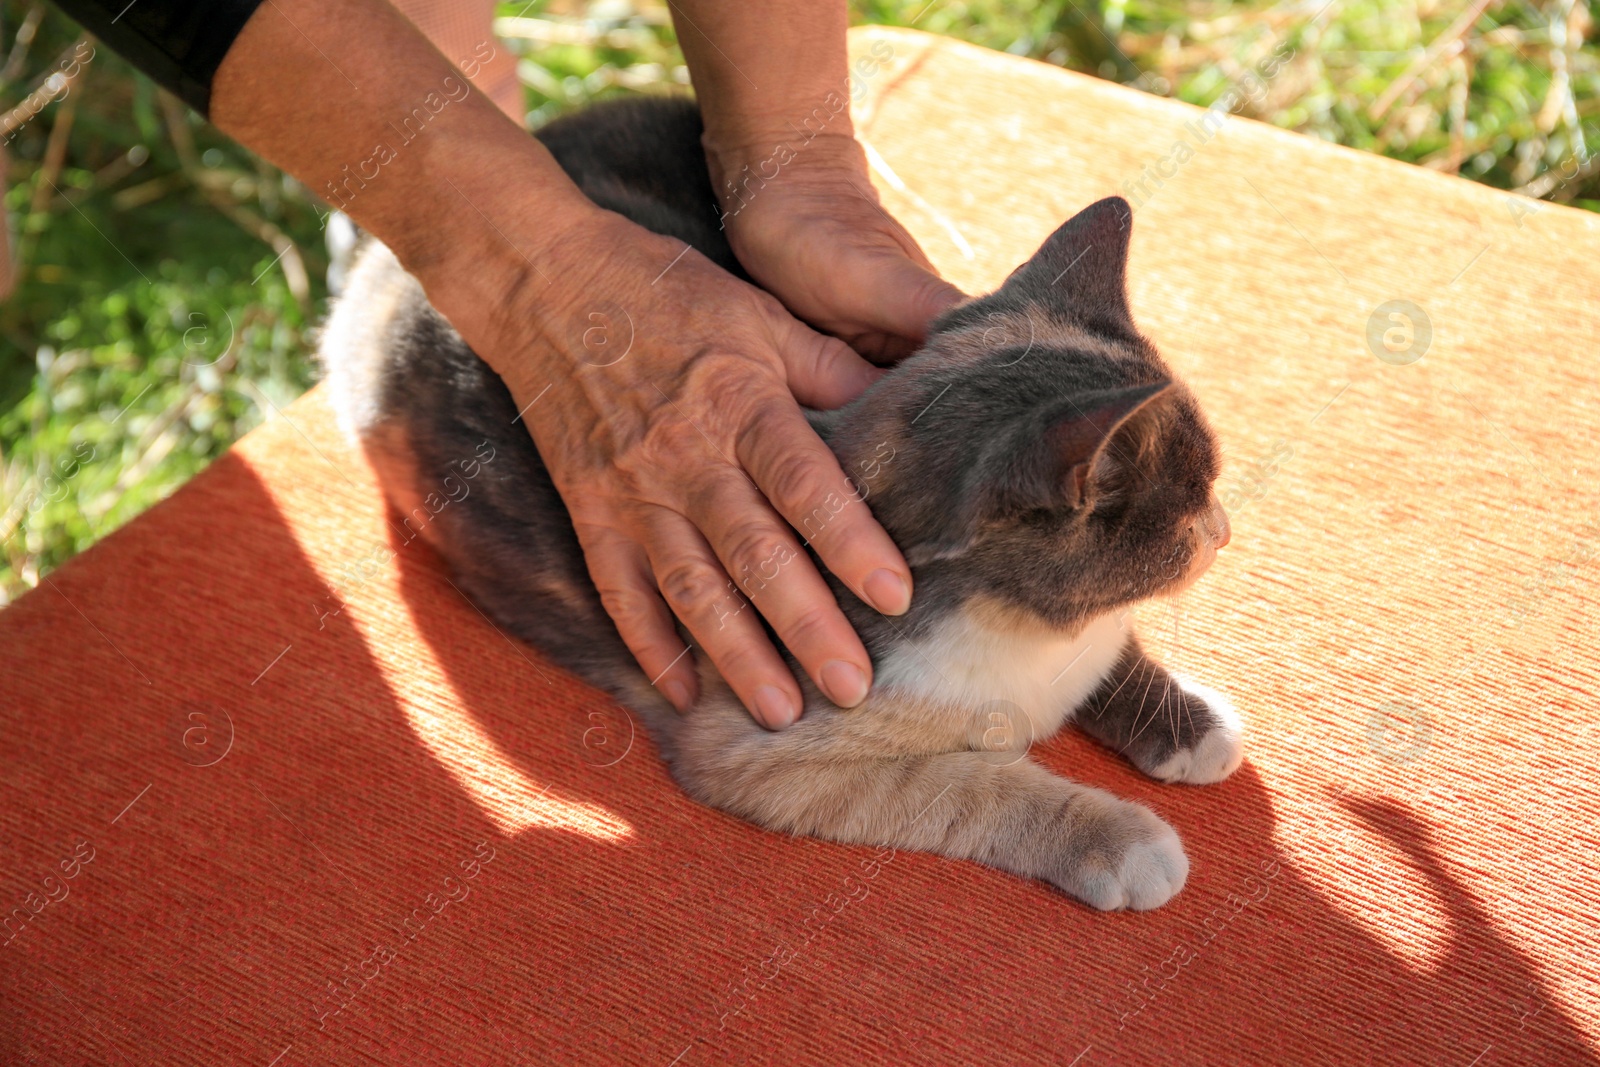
x: 1215, y: 526
x: 1211, y: 533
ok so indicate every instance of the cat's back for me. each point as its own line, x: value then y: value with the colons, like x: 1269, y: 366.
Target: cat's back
x: 443, y: 431
x: 379, y: 303
x: 641, y: 157
x: 446, y: 435
x: 459, y: 469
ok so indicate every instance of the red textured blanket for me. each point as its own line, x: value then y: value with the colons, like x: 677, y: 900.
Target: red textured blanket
x: 275, y: 794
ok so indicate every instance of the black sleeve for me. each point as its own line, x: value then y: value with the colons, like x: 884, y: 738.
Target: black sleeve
x: 178, y: 44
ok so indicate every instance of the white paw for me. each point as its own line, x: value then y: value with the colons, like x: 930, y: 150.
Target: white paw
x: 1219, y: 752
x: 1152, y: 869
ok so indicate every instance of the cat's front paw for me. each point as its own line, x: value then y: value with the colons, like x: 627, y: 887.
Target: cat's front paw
x: 1119, y: 855
x: 1213, y: 754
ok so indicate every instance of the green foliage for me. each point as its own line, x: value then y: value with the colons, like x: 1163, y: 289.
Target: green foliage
x: 151, y: 324
x: 155, y: 320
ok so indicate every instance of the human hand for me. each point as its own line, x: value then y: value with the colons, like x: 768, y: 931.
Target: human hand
x: 816, y: 237
x: 679, y: 462
x: 672, y: 430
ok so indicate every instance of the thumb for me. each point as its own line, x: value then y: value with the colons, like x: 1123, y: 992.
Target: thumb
x: 905, y: 297
x: 823, y: 372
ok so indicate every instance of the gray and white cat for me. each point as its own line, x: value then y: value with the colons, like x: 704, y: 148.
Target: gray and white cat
x: 1037, y: 463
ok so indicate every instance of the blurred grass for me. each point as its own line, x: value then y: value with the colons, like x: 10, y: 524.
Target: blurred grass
x: 167, y: 280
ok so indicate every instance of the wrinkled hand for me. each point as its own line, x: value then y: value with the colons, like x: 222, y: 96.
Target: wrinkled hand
x: 816, y: 237
x: 685, y: 459
x: 672, y: 431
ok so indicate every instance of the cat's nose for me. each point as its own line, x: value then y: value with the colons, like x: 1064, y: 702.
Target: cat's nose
x: 1217, y: 524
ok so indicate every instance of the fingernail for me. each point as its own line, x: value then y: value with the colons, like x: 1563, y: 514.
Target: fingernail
x: 888, y: 592
x: 678, y: 693
x: 776, y: 709
x: 844, y: 683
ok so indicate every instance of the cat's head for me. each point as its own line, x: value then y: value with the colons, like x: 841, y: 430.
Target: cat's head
x: 1037, y: 451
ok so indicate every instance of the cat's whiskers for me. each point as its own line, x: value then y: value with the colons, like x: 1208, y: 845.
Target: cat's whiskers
x: 1176, y: 654
x: 1178, y: 708
x: 1101, y: 710
x: 1144, y: 698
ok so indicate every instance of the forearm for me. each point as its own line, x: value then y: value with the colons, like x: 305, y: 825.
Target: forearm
x: 351, y: 98
x: 766, y: 72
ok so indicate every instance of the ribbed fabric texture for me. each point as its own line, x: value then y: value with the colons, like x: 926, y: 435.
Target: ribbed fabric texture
x: 332, y: 816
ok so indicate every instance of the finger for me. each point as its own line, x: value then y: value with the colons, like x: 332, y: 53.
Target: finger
x: 721, y: 621
x: 769, y: 567
x: 905, y: 296
x: 896, y: 294
x: 620, y: 570
x: 884, y: 349
x: 823, y: 372
x: 802, y: 478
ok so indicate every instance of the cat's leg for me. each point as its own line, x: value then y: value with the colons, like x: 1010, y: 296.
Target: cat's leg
x: 1168, y: 726
x: 997, y: 808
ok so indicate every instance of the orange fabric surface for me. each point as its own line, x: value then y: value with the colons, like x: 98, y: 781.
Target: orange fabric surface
x: 266, y: 746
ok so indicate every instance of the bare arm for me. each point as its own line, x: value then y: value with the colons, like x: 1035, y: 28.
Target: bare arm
x: 679, y: 464
x: 773, y: 83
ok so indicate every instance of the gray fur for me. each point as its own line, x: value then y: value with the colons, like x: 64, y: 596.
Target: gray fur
x: 1036, y: 460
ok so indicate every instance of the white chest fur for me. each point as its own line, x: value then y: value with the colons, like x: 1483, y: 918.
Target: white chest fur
x: 984, y: 655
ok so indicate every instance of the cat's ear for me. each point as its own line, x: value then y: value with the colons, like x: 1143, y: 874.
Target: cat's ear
x: 1081, y: 270
x: 1054, y: 470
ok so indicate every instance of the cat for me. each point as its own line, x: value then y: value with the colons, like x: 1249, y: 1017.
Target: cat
x: 1038, y: 464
